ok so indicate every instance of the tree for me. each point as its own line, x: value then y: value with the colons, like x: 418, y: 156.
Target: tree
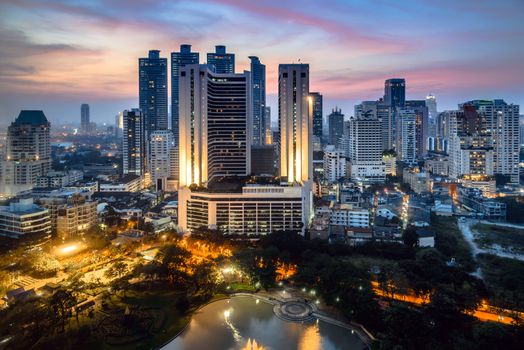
x: 410, y: 237
x: 118, y: 270
x: 60, y: 304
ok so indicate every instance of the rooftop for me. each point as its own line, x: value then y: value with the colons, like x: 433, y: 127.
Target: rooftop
x: 31, y: 117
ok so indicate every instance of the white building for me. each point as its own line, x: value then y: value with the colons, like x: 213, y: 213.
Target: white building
x: 59, y: 179
x: 256, y: 210
x: 334, y: 164
x: 129, y: 183
x: 24, y: 221
x: 214, y: 125
x: 407, y: 136
x: 366, y: 150
x: 345, y: 215
x: 162, y: 165
x: 28, y: 152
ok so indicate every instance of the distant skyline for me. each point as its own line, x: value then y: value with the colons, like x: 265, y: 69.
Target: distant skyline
x: 57, y: 55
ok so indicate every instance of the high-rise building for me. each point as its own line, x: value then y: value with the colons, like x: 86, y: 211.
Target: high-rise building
x: 502, y: 120
x: 379, y: 110
x: 223, y: 63
x: 366, y: 150
x: 134, y: 143
x: 152, y: 91
x: 395, y: 92
x: 421, y: 112
x: 317, y: 114
x: 334, y: 164
x: 179, y: 60
x: 406, y: 136
x: 431, y: 103
x: 258, y: 86
x: 336, y: 126
x: 162, y: 158
x: 295, y: 123
x: 24, y: 222
x: 215, y: 125
x: 119, y: 124
x: 28, y: 152
x: 267, y: 121
x: 84, y: 118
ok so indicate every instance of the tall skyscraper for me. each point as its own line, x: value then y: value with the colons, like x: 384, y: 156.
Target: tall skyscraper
x: 406, y: 136
x: 295, y: 123
x: 134, y: 143
x: 224, y: 63
x: 179, y: 60
x: 84, y: 118
x: 162, y: 157
x: 258, y: 86
x: 422, y: 125
x: 431, y: 103
x: 267, y: 122
x: 395, y: 92
x: 152, y: 85
x: 215, y: 125
x: 317, y: 114
x: 28, y: 152
x: 365, y: 150
x: 119, y: 124
x: 336, y: 126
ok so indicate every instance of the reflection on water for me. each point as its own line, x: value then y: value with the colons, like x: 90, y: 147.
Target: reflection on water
x: 242, y: 323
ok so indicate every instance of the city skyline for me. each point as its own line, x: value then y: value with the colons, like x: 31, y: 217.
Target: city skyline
x: 78, y: 52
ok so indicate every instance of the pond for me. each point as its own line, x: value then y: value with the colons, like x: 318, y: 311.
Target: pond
x: 245, y: 323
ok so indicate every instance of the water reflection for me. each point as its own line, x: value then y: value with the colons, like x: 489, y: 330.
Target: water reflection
x: 243, y: 324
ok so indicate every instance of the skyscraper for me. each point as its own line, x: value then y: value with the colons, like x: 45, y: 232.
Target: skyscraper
x: 224, y: 63
x: 395, y: 92
x: 295, y: 123
x: 179, y: 60
x: 267, y: 122
x: 431, y: 103
x: 28, y: 152
x: 317, y: 114
x: 162, y: 157
x: 336, y: 126
x: 84, y: 118
x: 134, y: 143
x: 406, y: 136
x: 152, y: 85
x: 215, y: 125
x: 258, y: 86
x: 422, y: 125
x: 365, y: 150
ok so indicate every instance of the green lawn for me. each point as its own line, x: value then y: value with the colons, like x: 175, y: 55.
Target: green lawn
x: 450, y: 242
x: 503, y: 236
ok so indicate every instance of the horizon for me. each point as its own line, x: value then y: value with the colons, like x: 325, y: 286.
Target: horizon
x: 87, y: 52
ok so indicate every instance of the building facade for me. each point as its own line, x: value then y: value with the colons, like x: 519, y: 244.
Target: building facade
x: 215, y: 125
x: 258, y: 86
x: 336, y: 127
x: 134, y: 143
x: 317, y: 114
x: 162, y: 158
x: 84, y: 118
x: 406, y: 136
x: 24, y: 222
x: 223, y: 63
x: 334, y: 164
x: 365, y: 150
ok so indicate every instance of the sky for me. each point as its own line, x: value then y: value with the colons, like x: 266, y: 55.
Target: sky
x: 55, y: 55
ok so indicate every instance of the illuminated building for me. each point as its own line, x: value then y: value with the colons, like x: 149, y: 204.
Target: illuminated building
x: 152, y: 91
x: 24, y: 222
x: 28, y: 153
x: 134, y: 143
x: 317, y: 114
x: 406, y: 139
x: 258, y: 86
x: 224, y: 63
x: 295, y: 123
x: 162, y: 158
x: 366, y: 150
x: 215, y: 125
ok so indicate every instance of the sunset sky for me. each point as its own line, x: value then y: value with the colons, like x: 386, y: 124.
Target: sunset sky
x: 55, y: 55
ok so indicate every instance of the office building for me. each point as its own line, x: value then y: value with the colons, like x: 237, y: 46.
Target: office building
x: 215, y: 125
x: 223, y: 63
x: 28, y: 152
x: 84, y: 119
x: 406, y: 138
x: 152, y: 91
x: 267, y: 121
x: 431, y: 104
x: 23, y: 222
x: 317, y: 114
x: 258, y: 87
x: 263, y: 160
x: 421, y: 112
x: 295, y: 123
x: 134, y: 143
x: 162, y: 158
x: 336, y: 126
x: 334, y: 164
x: 365, y: 150
x: 395, y: 92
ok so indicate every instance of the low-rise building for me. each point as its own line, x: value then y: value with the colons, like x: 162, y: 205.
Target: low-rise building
x: 129, y: 183
x: 24, y: 222
x: 473, y: 200
x: 426, y: 238
x: 59, y: 179
x: 484, y: 183
x: 345, y: 215
x: 437, y: 166
x: 417, y: 181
